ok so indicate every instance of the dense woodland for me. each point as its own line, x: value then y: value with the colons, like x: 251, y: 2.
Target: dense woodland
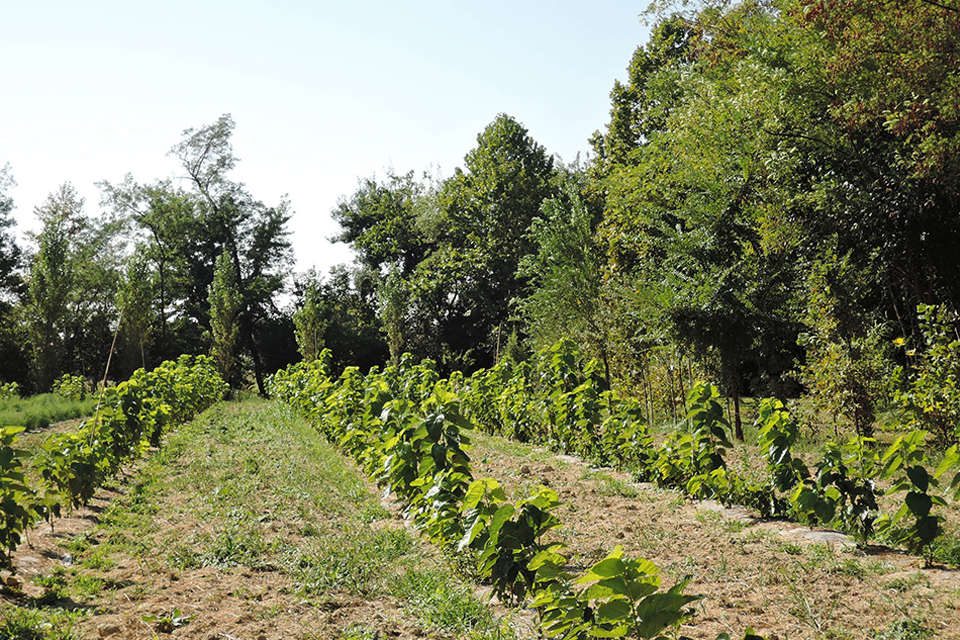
x: 772, y: 205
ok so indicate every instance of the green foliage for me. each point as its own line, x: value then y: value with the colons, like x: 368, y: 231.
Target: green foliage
x: 309, y: 320
x: 71, y: 465
x: 932, y: 393
x: 18, y: 500
x: 841, y: 493
x: 403, y: 426
x: 623, y: 599
x: 513, y: 548
x: 227, y: 219
x: 135, y: 298
x: 904, y: 464
x: 39, y: 411
x: 72, y: 388
x: 225, y: 308
x: 9, y: 391
x: 51, y: 280
x: 567, y: 297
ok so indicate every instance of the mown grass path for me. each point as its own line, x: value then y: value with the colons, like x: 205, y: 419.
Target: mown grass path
x: 245, y: 525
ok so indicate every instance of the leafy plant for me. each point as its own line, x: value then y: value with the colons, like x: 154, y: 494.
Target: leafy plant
x: 167, y: 622
x: 903, y: 464
x: 623, y: 599
x: 17, y: 499
x: 70, y: 387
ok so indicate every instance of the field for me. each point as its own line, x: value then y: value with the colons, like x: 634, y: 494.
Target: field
x: 246, y: 524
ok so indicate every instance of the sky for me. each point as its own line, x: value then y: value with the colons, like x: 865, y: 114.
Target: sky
x: 323, y: 94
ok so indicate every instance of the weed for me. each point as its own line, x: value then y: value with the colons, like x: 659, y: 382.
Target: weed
x: 357, y: 631
x: 234, y: 547
x: 607, y: 485
x: 438, y: 602
x: 38, y: 624
x: 87, y: 586
x: 40, y: 411
x: 373, y: 513
x: 946, y: 549
x: 791, y: 548
x: 811, y: 610
x: 904, y: 583
x: 167, y: 622
x: 54, y: 589
x: 906, y: 629
x: 731, y: 525
x: 851, y: 567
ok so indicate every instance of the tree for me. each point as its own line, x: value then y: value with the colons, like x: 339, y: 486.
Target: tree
x: 51, y: 282
x: 466, y: 283
x: 353, y: 333
x: 167, y: 225
x: 383, y: 222
x: 253, y: 235
x: 135, y: 301
x: 12, y: 289
x: 225, y: 309
x: 310, y: 319
x: 10, y: 254
x: 566, y: 273
x: 394, y: 303
x: 689, y: 205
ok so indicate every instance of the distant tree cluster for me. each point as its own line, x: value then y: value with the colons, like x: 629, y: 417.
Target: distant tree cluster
x: 194, y: 266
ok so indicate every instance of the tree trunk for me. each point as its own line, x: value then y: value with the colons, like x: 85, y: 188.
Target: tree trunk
x: 735, y: 391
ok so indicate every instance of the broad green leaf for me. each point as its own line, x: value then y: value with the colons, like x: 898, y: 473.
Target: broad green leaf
x: 919, y: 477
x: 919, y: 504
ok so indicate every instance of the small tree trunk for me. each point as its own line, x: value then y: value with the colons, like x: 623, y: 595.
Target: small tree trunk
x: 735, y: 391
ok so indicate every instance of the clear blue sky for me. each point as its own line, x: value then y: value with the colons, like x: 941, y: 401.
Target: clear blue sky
x: 322, y: 93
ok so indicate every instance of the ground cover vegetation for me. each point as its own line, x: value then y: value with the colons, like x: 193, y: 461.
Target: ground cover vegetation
x: 180, y: 548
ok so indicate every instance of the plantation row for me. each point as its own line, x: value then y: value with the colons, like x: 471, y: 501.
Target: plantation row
x: 406, y: 428
x: 69, y: 467
x: 555, y: 403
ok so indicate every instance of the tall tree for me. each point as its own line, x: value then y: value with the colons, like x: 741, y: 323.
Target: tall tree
x: 225, y: 309
x: 10, y: 254
x: 51, y: 282
x: 12, y: 288
x: 253, y: 235
x: 566, y: 273
x: 465, y: 286
x: 135, y: 300
x: 171, y: 236
x: 310, y: 319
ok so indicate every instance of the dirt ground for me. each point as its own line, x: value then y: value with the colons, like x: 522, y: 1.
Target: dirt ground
x: 779, y: 578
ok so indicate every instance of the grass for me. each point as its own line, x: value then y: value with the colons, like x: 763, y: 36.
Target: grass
x: 40, y: 411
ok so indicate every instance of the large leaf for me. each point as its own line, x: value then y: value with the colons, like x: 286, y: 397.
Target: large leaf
x: 919, y: 504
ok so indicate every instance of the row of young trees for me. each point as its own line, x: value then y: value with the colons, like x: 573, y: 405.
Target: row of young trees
x: 773, y: 197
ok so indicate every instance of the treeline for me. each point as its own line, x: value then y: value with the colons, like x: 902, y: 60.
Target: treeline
x: 770, y: 204
x: 772, y: 201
